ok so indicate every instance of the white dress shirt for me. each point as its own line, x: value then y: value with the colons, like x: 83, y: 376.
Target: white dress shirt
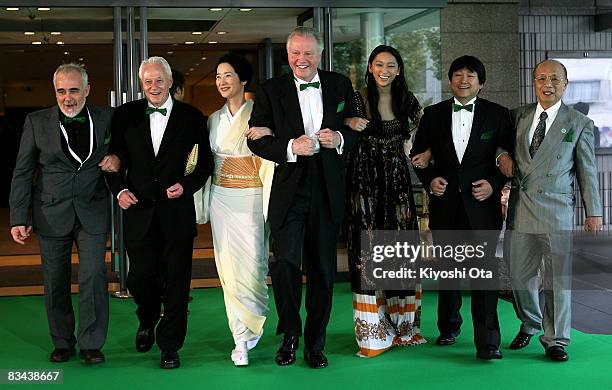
x: 552, y: 112
x: 311, y: 106
x: 158, y: 123
x: 462, y: 127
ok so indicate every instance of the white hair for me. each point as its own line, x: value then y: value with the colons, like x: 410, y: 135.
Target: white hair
x: 304, y: 31
x: 156, y: 60
x: 72, y: 67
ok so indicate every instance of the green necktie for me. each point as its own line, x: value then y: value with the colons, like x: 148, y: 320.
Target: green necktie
x: 80, y: 119
x: 459, y: 107
x: 538, y: 134
x: 314, y: 85
x: 151, y: 110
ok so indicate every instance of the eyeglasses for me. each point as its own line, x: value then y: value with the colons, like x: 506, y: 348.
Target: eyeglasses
x: 554, y: 79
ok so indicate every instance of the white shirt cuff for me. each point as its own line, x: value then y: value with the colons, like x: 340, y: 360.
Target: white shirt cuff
x: 340, y: 147
x: 291, y: 157
x: 121, y: 192
x: 498, y: 156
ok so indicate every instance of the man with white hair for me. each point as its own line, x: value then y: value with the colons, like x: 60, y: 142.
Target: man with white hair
x: 164, y: 146
x: 305, y: 111
x: 67, y: 145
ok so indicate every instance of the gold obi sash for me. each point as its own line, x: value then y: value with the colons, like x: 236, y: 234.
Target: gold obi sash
x: 237, y: 171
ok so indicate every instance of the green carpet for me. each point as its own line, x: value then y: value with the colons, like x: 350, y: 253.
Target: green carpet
x: 206, y: 364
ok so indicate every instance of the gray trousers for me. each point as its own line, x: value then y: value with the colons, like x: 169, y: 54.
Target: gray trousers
x: 93, y: 290
x: 551, y: 255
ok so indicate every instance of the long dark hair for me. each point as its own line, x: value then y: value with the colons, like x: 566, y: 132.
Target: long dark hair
x: 404, y: 104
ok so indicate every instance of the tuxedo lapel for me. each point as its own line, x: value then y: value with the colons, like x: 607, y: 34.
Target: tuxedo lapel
x: 291, y: 105
x: 99, y: 128
x: 144, y: 128
x: 476, y: 130
x: 172, y: 128
x: 446, y: 129
x: 330, y: 104
x: 55, y: 135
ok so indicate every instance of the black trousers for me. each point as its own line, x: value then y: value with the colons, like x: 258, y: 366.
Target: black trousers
x: 161, y: 267
x: 56, y: 253
x: 308, y: 230
x: 484, y: 295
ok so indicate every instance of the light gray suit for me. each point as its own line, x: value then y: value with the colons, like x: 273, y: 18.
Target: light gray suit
x: 68, y: 205
x: 541, y: 214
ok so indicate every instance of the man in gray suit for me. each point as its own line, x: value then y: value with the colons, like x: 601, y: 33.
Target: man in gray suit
x: 66, y: 147
x: 554, y: 146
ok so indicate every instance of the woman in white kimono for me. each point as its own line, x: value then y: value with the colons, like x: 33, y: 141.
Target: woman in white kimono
x: 236, y: 210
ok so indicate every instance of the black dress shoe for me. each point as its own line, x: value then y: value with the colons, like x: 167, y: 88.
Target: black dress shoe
x: 488, y: 352
x: 145, y: 337
x: 521, y: 340
x: 447, y: 338
x: 286, y: 352
x: 169, y: 359
x: 557, y: 354
x: 60, y: 355
x: 92, y: 356
x: 315, y: 359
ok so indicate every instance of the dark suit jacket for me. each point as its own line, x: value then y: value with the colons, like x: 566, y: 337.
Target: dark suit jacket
x: 277, y: 107
x: 62, y: 192
x: 148, y: 176
x: 491, y: 129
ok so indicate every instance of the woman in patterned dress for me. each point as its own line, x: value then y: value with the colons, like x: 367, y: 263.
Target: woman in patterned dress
x: 381, y: 198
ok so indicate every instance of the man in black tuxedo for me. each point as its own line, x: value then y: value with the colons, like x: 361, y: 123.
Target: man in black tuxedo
x: 66, y: 147
x: 463, y: 134
x: 164, y: 147
x: 305, y: 112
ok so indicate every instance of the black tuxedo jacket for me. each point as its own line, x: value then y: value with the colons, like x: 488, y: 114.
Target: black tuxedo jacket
x: 277, y: 107
x: 148, y: 176
x: 491, y: 129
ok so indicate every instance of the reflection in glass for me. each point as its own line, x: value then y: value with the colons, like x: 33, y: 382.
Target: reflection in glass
x: 415, y: 33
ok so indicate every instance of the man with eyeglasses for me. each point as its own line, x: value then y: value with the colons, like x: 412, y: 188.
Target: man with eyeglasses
x: 554, y: 146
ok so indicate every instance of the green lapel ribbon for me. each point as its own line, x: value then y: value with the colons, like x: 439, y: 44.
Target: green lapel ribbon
x: 151, y: 110
x: 459, y: 107
x: 314, y: 85
x: 569, y: 136
x: 80, y: 119
x: 340, y: 107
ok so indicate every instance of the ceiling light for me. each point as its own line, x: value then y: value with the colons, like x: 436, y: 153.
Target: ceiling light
x: 212, y: 42
x: 246, y: 9
x: 187, y: 74
x: 196, y: 33
x: 175, y: 44
x: 81, y: 58
x: 191, y: 69
x: 56, y: 33
x: 60, y: 42
x: 28, y: 33
x: 215, y: 9
x: 66, y: 53
x: 170, y: 52
x: 203, y: 58
x: 12, y: 9
x: 37, y: 43
x: 197, y: 64
x: 221, y: 32
x: 189, y: 43
x: 44, y: 9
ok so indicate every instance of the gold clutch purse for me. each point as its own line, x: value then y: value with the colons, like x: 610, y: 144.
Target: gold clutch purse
x: 192, y: 160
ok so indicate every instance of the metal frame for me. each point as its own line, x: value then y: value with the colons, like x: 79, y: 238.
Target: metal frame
x: 229, y: 3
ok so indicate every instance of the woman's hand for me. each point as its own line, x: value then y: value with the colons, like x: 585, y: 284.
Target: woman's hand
x: 421, y: 160
x: 258, y: 132
x: 356, y: 123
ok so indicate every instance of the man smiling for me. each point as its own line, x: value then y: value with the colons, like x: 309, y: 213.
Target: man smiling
x: 156, y: 136
x: 554, y: 148
x: 463, y: 134
x: 305, y: 111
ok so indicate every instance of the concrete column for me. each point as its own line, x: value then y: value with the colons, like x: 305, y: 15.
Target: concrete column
x: 372, y: 30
